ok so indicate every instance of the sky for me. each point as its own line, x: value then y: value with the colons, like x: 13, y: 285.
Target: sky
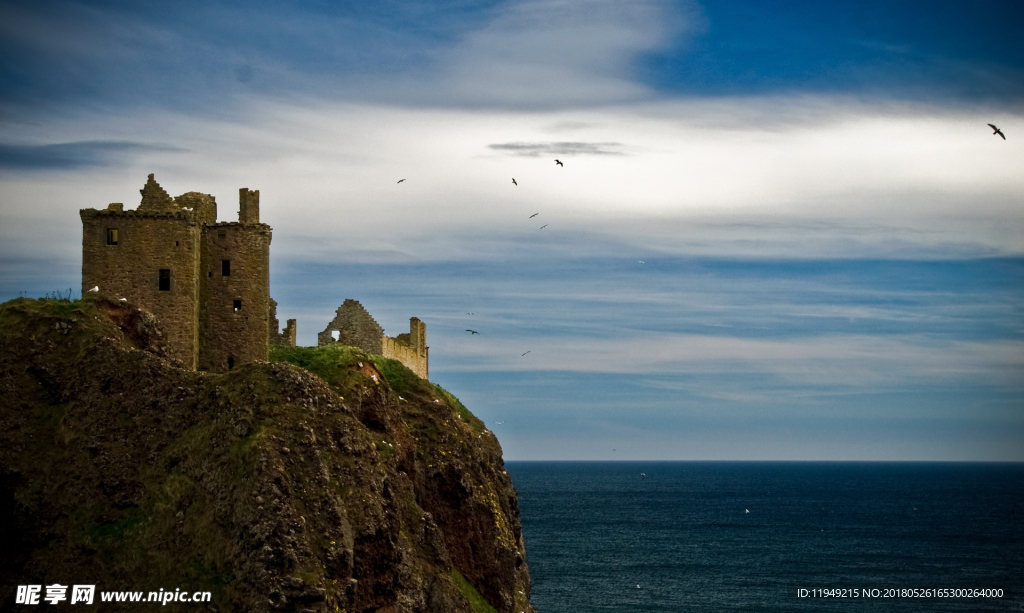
x: 781, y: 230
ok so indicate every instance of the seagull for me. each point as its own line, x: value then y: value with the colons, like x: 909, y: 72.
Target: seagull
x: 123, y: 299
x: 499, y: 422
x: 524, y: 354
x: 641, y: 261
x: 559, y: 162
x: 997, y: 131
x: 469, y: 313
x: 544, y: 226
x: 643, y: 476
x: 534, y: 215
x: 747, y: 510
x: 472, y: 331
x: 514, y: 181
x: 95, y: 289
x: 400, y: 180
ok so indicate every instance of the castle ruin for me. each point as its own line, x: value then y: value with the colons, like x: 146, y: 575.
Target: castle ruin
x: 354, y: 326
x: 208, y: 282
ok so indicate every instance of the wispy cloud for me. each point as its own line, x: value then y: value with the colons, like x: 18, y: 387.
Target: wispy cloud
x: 558, y: 148
x: 857, y: 361
x: 82, y: 154
x: 553, y: 53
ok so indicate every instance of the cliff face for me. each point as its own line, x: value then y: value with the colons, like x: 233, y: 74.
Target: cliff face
x: 362, y: 489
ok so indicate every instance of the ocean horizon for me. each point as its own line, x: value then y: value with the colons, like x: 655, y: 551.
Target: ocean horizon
x: 631, y: 536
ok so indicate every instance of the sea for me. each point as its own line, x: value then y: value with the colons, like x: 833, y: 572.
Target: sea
x: 628, y: 537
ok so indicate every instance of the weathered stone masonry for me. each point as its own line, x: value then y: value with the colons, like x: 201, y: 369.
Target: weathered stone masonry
x: 354, y: 326
x: 208, y: 282
x: 286, y: 337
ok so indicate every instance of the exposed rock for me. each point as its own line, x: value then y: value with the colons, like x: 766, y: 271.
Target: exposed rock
x: 271, y: 487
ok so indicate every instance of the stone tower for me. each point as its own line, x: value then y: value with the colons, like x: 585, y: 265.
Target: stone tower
x: 208, y: 282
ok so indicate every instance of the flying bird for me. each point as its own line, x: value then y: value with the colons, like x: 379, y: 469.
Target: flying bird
x: 95, y: 289
x: 524, y: 354
x: 472, y: 331
x: 400, y: 180
x: 469, y: 313
x: 514, y: 181
x: 534, y: 215
x: 559, y: 162
x: 544, y: 226
x: 997, y: 131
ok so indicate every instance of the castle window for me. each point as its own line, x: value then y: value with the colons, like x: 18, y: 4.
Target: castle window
x: 176, y: 243
x: 238, y: 305
x: 111, y: 236
x: 335, y: 334
x: 231, y: 362
x: 225, y: 268
x: 165, y: 279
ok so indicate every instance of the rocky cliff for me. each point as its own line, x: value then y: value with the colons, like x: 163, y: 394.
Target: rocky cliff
x: 326, y: 480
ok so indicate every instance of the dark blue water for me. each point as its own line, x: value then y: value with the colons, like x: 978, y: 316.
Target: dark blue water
x: 683, y: 534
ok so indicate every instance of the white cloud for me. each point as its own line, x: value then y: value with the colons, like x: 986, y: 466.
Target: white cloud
x: 843, y: 181
x: 545, y: 53
x: 861, y: 361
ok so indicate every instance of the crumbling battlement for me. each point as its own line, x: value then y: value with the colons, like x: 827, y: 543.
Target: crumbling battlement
x: 208, y: 282
x: 286, y: 337
x: 354, y: 326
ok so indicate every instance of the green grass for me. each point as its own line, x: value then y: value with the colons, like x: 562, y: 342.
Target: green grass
x: 399, y: 378
x: 463, y: 412
x: 335, y: 364
x: 477, y: 602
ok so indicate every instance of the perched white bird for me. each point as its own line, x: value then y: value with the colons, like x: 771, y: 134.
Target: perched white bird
x: 124, y: 299
x: 747, y: 510
x: 95, y: 289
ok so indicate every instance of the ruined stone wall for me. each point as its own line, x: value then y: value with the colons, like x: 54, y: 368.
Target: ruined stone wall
x: 284, y: 338
x: 234, y: 307
x: 355, y: 327
x: 414, y: 360
x: 273, y: 325
x: 289, y: 336
x: 146, y: 243
x: 203, y: 206
x: 411, y: 348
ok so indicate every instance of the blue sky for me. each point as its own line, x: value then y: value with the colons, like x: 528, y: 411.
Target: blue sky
x: 783, y: 230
